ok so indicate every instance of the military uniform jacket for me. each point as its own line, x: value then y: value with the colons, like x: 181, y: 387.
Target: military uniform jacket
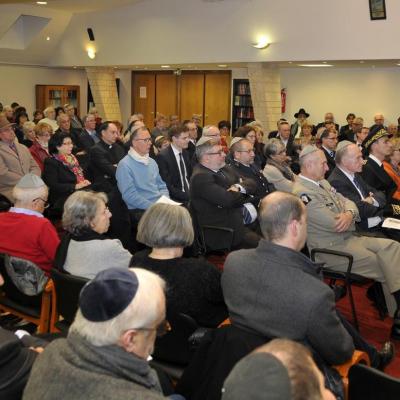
x: 323, y: 204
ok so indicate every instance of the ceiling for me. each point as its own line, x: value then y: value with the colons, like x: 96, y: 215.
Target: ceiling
x: 76, y: 6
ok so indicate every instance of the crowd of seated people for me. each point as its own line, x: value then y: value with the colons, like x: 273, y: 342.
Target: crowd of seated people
x: 87, y: 164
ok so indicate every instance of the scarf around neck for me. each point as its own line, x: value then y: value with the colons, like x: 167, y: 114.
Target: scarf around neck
x: 286, y: 171
x: 137, y: 157
x: 70, y: 161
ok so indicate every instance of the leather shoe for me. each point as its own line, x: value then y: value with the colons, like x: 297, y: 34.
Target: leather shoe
x: 386, y: 355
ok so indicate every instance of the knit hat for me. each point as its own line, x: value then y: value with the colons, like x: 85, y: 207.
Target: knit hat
x: 30, y: 181
x: 108, y: 294
x: 258, y: 376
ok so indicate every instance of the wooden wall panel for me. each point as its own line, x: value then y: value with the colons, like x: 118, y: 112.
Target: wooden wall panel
x: 166, y: 94
x: 144, y: 96
x: 191, y: 95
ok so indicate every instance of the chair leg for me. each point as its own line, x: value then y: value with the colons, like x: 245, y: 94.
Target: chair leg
x: 353, y: 307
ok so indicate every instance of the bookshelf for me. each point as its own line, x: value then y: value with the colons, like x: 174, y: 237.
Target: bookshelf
x: 242, y: 105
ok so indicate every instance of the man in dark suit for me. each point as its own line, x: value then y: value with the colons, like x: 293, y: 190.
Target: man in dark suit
x: 350, y: 118
x: 328, y: 119
x: 349, y: 134
x: 378, y: 146
x: 329, y: 143
x: 88, y: 136
x: 192, y: 137
x: 242, y: 162
x: 371, y: 204
x: 218, y: 196
x: 174, y: 164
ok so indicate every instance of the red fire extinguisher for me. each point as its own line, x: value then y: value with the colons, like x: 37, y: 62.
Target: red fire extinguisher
x: 283, y: 100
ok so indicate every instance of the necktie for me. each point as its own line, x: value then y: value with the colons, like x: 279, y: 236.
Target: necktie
x: 183, y: 177
x: 13, y: 147
x: 357, y: 183
x: 332, y: 154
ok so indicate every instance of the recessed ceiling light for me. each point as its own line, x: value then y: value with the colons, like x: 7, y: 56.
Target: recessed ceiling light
x: 315, y: 65
x: 262, y: 43
x: 362, y: 62
x: 115, y: 67
x: 74, y: 67
x: 222, y: 65
x: 398, y: 65
x: 290, y: 62
x: 48, y: 38
x: 324, y: 62
x: 41, y: 3
x: 165, y: 66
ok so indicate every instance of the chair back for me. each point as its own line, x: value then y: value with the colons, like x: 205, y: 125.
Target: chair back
x: 174, y: 346
x: 5, y: 203
x: 366, y: 383
x: 12, y: 292
x: 67, y: 288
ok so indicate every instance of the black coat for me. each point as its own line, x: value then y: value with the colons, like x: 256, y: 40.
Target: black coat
x: 169, y: 172
x: 378, y: 178
x: 103, y: 163
x: 331, y: 162
x: 344, y: 186
x: 86, y: 142
x: 263, y: 187
x: 214, y: 205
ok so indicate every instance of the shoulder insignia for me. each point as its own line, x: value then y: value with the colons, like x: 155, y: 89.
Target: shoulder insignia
x: 305, y: 199
x: 396, y: 209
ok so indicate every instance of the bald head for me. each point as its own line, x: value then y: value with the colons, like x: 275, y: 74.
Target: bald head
x: 349, y: 158
x: 379, y: 119
x: 282, y: 219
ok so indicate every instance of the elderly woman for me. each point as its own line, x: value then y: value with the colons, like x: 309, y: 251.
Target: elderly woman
x: 40, y: 146
x: 85, y: 250
x: 306, y: 136
x: 277, y: 170
x: 28, y: 129
x: 62, y: 172
x: 194, y: 285
x: 391, y: 166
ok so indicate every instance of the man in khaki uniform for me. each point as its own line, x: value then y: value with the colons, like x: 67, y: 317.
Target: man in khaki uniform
x: 330, y: 225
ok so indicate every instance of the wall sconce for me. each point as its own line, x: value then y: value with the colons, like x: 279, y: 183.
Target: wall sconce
x: 91, y: 52
x: 262, y: 43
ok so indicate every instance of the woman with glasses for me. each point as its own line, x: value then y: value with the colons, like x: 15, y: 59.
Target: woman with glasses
x: 193, y: 284
x: 249, y: 132
x: 85, y: 249
x: 62, y: 172
x: 277, y: 169
x: 40, y: 146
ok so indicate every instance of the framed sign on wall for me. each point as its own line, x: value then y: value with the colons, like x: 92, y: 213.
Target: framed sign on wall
x: 377, y: 9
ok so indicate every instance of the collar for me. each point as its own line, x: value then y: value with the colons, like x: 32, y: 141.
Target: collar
x: 137, y: 157
x: 239, y: 162
x: 372, y: 157
x: 25, y: 211
x: 349, y: 175
x: 309, y: 180
x: 175, y: 150
x: 327, y: 150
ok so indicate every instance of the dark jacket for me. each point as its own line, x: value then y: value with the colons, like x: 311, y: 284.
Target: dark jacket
x: 169, y: 171
x: 214, y: 205
x: 287, y: 298
x: 263, y: 187
x: 378, y: 178
x: 331, y: 162
x: 103, y: 163
x: 344, y: 186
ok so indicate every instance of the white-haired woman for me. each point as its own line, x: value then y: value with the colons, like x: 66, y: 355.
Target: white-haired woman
x: 193, y: 284
x: 85, y: 249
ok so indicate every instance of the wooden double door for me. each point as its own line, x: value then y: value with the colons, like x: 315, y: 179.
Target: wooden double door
x: 207, y: 93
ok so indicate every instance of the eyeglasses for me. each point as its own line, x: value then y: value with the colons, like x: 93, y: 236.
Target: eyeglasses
x: 163, y: 328
x: 332, y: 138
x: 216, y: 153
x: 146, y: 140
x: 45, y: 202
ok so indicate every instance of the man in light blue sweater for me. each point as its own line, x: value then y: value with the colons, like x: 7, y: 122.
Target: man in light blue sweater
x: 138, y: 177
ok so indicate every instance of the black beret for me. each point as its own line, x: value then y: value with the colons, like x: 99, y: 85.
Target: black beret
x: 108, y: 294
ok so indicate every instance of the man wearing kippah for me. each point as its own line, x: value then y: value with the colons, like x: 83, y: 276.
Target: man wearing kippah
x: 105, y: 353
x: 331, y: 225
x: 24, y: 232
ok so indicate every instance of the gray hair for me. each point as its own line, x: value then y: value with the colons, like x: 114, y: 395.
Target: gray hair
x: 27, y: 126
x: 277, y: 211
x: 341, y: 152
x: 142, y: 312
x: 207, y: 128
x: 80, y: 209
x: 165, y: 225
x: 272, y: 147
x: 205, y: 147
x: 84, y: 119
x: 25, y: 196
x: 47, y: 110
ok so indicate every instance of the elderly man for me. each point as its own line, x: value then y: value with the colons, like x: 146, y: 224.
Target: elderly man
x: 75, y: 120
x: 378, y: 146
x: 242, y: 155
x: 300, y: 116
x: 161, y: 126
x: 371, y: 204
x: 138, y: 177
x: 24, y: 232
x: 331, y: 225
x: 15, y: 159
x: 328, y: 146
x: 379, y: 119
x: 50, y: 117
x: 105, y: 353
x: 88, y: 135
x: 174, y: 164
x: 218, y: 196
x: 328, y: 119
